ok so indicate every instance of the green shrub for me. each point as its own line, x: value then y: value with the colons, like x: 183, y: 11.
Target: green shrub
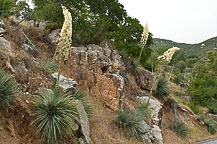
x: 211, y: 125
x: 194, y: 107
x: 131, y: 121
x: 181, y: 129
x: 162, y: 91
x: 55, y: 116
x: 8, y: 90
x: 52, y: 26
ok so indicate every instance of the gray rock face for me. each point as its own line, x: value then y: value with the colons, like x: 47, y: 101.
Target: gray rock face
x: 152, y: 134
x: 85, y: 126
x: 67, y: 84
x: 5, y: 47
x: 54, y: 36
x: 144, y: 79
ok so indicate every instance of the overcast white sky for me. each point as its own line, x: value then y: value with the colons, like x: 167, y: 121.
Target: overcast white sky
x: 188, y: 21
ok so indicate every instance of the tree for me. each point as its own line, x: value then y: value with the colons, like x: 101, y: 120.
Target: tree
x: 182, y: 66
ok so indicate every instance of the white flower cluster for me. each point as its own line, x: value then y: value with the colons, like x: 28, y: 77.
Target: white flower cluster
x: 65, y: 35
x: 144, y: 36
x: 167, y: 56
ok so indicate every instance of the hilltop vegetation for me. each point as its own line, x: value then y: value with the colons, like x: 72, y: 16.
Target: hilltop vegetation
x: 190, y: 50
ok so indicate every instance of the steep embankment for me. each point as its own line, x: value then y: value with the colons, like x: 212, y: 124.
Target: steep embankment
x: 111, y: 83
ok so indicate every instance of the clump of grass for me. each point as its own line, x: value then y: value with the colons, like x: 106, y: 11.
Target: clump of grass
x: 181, y: 129
x: 131, y: 121
x: 162, y: 91
x: 8, y: 90
x: 55, y: 116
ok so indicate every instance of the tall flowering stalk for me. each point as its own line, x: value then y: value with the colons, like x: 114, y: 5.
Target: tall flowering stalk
x: 63, y: 47
x: 165, y: 58
x: 144, y: 39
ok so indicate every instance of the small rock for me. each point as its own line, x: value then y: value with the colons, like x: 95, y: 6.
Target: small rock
x: 2, y: 31
x: 67, y: 84
x: 54, y: 36
x: 187, y: 98
x: 30, y: 49
x: 5, y: 47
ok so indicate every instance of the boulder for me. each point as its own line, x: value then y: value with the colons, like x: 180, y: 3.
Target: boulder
x: 54, y: 36
x: 5, y: 47
x: 144, y: 79
x: 84, y: 121
x: 42, y: 25
x: 30, y: 49
x: 67, y: 84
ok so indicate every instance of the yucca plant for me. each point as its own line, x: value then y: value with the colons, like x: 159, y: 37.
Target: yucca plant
x: 55, y: 116
x: 79, y: 95
x: 8, y: 90
x: 129, y: 122
x: 181, y: 129
x: 162, y: 90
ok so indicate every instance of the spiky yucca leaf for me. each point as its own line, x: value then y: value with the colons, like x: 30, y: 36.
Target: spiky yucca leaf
x: 8, y: 90
x: 162, y: 91
x: 55, y: 116
x: 79, y: 95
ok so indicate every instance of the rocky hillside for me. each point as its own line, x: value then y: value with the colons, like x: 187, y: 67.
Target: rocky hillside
x: 198, y: 49
x: 111, y: 83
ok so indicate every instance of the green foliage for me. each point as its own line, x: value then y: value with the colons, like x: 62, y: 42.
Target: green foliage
x: 182, y: 66
x: 7, y: 6
x: 162, y: 90
x: 211, y: 124
x: 79, y: 95
x: 8, y: 90
x: 181, y: 129
x: 95, y: 21
x: 194, y: 107
x: 55, y: 116
x: 52, y: 26
x: 131, y: 121
x: 202, y: 89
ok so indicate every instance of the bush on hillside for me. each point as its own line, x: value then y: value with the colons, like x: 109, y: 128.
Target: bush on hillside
x: 8, y: 90
x: 131, y: 121
x: 55, y: 116
x: 162, y: 91
x: 181, y: 129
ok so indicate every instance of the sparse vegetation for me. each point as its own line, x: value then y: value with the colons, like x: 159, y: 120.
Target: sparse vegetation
x: 8, y: 90
x: 55, y: 116
x: 181, y: 129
